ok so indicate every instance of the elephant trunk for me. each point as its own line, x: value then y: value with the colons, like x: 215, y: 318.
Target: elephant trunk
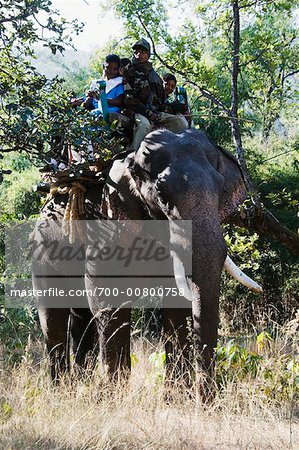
x: 244, y: 279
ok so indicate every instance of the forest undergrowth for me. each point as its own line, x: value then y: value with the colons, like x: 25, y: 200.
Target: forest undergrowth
x: 255, y: 405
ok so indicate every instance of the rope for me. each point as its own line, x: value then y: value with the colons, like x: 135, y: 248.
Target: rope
x: 75, y: 205
x: 74, y: 208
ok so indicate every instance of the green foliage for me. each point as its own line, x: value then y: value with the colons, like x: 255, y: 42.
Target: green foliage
x: 28, y: 98
x: 257, y: 360
x: 272, y: 42
x: 267, y: 262
x: 200, y: 50
x: 206, y: 117
x: 17, y: 328
x: 121, y: 48
x: 278, y: 185
x: 273, y: 268
x: 17, y: 201
x: 276, y: 376
x: 33, y: 129
x: 134, y: 360
x: 5, y: 411
x: 18, y: 162
x: 153, y: 14
x: 157, y: 362
x: 72, y: 66
x: 236, y: 362
x: 20, y: 27
x: 76, y: 79
x: 244, y: 244
x: 158, y: 359
x: 17, y: 197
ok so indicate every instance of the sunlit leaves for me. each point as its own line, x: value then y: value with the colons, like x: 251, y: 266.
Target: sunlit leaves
x: 274, y: 376
x: 202, y: 49
x: 28, y: 98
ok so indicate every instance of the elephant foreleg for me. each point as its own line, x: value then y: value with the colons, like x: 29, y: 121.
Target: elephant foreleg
x: 54, y: 323
x: 177, y: 335
x: 114, y: 336
x: 85, y: 339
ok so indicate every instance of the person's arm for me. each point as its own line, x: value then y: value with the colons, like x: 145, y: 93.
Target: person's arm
x: 136, y: 100
x: 77, y: 101
x: 188, y: 116
x: 132, y: 102
x: 136, y: 105
x: 118, y: 101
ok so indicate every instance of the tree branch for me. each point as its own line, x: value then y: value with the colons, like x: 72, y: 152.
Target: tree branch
x: 6, y: 73
x: 205, y: 93
x: 16, y: 18
x: 290, y: 74
x: 255, y: 3
x: 245, y: 64
x: 279, y: 154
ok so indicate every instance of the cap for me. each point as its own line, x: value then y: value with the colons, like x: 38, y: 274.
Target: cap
x: 144, y: 44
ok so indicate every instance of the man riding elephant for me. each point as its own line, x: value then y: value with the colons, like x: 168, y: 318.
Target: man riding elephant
x: 145, y: 97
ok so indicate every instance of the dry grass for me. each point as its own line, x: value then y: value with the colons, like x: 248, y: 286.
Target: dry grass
x: 97, y: 415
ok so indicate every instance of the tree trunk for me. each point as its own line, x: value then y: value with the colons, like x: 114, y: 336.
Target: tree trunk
x: 236, y: 133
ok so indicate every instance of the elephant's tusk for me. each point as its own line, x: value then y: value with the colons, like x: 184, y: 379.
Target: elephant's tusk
x: 180, y: 276
x: 237, y: 273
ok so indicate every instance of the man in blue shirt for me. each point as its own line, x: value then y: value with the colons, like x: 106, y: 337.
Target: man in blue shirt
x: 114, y: 88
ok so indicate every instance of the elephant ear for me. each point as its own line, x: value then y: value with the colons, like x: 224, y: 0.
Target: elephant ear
x: 120, y: 198
x: 234, y: 191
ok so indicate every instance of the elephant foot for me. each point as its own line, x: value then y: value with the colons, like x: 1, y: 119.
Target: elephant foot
x: 178, y: 391
x: 114, y: 338
x: 85, y: 369
x: 60, y: 366
x: 179, y: 378
x: 179, y: 375
x: 179, y: 371
x: 85, y: 341
x: 118, y: 371
x: 205, y: 388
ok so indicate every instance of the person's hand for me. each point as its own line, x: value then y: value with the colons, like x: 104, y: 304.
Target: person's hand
x: 76, y: 101
x: 92, y: 94
x: 154, y: 117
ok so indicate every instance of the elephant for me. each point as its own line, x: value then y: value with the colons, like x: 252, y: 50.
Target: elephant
x: 172, y: 177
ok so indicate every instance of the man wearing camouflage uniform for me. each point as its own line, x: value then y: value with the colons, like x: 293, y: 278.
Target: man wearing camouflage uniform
x: 145, y: 96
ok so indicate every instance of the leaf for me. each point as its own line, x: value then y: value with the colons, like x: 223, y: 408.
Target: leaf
x: 134, y: 359
x: 263, y: 339
x: 12, y: 107
x: 6, y: 411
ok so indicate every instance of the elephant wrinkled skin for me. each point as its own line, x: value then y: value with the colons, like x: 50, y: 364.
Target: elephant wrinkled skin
x: 170, y: 177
